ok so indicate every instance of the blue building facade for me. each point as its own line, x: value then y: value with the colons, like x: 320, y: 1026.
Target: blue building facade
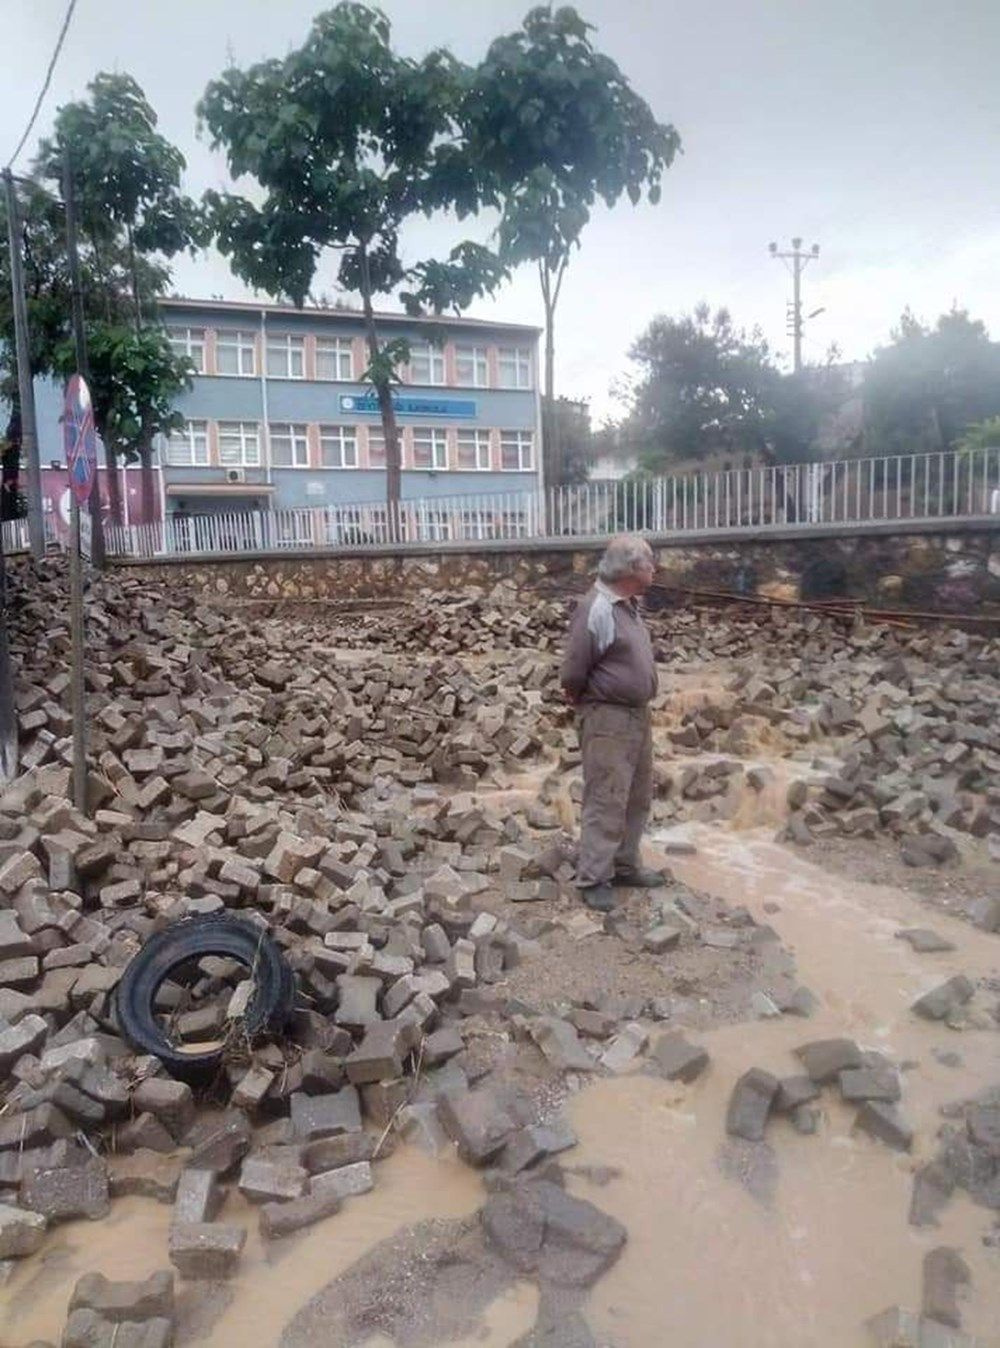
x: 278, y: 416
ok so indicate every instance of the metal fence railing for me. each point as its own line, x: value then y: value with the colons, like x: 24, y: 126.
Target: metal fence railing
x: 859, y: 492
x: 14, y: 536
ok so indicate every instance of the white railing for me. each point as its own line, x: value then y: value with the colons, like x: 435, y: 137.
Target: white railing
x: 14, y: 534
x: 848, y: 492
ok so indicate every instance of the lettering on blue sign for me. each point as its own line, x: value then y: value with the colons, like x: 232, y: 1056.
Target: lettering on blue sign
x: 366, y: 404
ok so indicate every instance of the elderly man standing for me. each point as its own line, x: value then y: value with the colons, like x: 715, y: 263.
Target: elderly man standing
x: 609, y: 675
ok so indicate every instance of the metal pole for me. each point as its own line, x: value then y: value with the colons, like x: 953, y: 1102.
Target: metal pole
x: 26, y: 389
x: 8, y: 717
x: 78, y: 688
x: 97, y: 548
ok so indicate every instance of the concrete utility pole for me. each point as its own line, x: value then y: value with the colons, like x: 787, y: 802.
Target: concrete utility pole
x: 26, y: 390
x: 799, y: 261
x: 80, y: 342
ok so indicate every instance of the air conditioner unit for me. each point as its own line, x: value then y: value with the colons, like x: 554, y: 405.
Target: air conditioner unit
x: 236, y: 475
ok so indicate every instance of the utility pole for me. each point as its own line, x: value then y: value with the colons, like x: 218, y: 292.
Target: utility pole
x: 26, y: 390
x: 799, y: 260
x: 80, y: 343
x: 78, y: 699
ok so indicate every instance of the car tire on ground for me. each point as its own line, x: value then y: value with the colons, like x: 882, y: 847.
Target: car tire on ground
x: 268, y: 1009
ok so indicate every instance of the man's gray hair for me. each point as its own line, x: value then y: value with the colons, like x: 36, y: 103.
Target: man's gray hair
x: 623, y: 556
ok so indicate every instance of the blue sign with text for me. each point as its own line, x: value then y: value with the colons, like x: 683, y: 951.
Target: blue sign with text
x: 367, y: 404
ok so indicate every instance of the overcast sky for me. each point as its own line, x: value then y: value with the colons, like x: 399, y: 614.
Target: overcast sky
x: 869, y: 127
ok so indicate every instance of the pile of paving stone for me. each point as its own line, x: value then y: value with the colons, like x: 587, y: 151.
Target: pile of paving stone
x: 897, y: 732
x: 865, y: 1079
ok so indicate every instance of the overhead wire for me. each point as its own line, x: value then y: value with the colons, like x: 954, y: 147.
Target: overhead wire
x: 71, y: 6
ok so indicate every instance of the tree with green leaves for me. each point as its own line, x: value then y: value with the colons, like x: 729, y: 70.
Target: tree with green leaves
x: 135, y: 378
x: 929, y: 384
x: 126, y: 182
x: 553, y: 128
x: 133, y: 218
x: 708, y: 389
x: 348, y: 141
x: 981, y: 435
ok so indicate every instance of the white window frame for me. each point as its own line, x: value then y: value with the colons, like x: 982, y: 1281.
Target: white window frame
x: 182, y: 446
x: 477, y: 525
x: 481, y: 449
x: 379, y: 434
x: 282, y: 350
x: 514, y: 524
x: 346, y: 440
x: 297, y: 435
x: 434, y: 524
x: 247, y: 433
x: 341, y: 349
x: 518, y: 373
x: 523, y: 443
x: 432, y: 375
x: 437, y: 438
x: 477, y: 358
x: 244, y: 343
x: 189, y: 342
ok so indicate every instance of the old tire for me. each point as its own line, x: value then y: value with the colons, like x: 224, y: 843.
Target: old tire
x: 268, y: 1010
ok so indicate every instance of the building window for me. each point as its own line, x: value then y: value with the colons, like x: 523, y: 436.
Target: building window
x: 338, y: 446
x: 235, y: 353
x: 189, y: 342
x: 515, y: 367
x: 471, y: 370
x: 376, y: 447
x: 434, y: 526
x: 474, y: 450
x: 516, y: 451
x: 426, y: 363
x: 239, y: 444
x: 335, y: 358
x: 477, y: 524
x: 286, y: 357
x: 188, y: 446
x: 513, y: 524
x: 430, y: 447
x: 289, y: 445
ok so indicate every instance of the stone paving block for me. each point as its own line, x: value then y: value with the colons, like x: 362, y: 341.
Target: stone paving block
x: 750, y: 1104
x: 265, y: 1181
x: 206, y: 1251
x: 116, y: 1301
x: 86, y: 1329
x: 677, y: 1060
x: 825, y: 1059
x: 283, y: 1219
x: 317, y: 1116
x: 22, y: 1231
x: 347, y: 1181
x: 62, y: 1193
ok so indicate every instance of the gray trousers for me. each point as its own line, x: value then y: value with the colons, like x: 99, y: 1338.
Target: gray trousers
x: 617, y: 748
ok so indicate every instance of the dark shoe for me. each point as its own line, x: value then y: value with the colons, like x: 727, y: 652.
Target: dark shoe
x: 599, y: 897
x: 640, y: 879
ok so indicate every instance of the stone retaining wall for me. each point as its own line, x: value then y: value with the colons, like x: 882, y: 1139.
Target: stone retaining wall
x: 954, y: 571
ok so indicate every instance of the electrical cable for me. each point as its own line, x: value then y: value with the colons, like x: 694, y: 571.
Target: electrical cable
x: 45, y: 87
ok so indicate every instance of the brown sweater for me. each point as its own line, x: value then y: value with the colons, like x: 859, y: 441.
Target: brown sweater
x: 608, y: 656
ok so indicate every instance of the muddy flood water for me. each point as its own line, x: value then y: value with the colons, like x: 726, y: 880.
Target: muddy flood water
x: 799, y: 1252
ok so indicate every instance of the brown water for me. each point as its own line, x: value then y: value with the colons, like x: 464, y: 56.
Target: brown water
x: 706, y: 1263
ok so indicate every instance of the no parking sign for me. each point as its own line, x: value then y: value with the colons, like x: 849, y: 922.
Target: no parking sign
x: 79, y: 439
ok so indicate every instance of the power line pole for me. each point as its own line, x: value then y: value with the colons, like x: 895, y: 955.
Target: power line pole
x: 26, y: 390
x: 78, y: 691
x: 80, y: 343
x: 799, y: 260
